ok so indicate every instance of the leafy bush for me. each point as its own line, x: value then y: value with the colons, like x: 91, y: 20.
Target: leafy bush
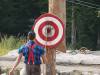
x: 9, y: 43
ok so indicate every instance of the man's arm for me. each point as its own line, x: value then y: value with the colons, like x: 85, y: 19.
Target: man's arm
x: 16, y: 63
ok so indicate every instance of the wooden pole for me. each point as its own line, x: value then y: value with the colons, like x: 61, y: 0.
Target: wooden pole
x: 58, y: 8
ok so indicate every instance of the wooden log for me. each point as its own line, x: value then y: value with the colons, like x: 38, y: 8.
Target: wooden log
x: 58, y: 8
x: 50, y: 67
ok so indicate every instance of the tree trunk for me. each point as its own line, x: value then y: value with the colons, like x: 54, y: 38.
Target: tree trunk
x: 58, y: 8
x: 98, y: 41
x: 73, y: 25
x: 98, y: 13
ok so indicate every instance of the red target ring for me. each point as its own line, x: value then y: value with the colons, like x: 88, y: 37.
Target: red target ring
x: 53, y: 36
x: 49, y: 30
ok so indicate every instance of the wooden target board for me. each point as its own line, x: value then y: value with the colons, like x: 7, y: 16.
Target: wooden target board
x: 49, y: 30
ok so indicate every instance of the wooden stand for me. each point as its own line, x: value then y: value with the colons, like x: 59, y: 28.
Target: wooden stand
x: 50, y: 67
x: 58, y: 8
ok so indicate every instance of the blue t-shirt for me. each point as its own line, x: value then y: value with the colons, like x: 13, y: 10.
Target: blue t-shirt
x: 38, y: 51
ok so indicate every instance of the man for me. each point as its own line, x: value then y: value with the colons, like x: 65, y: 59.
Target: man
x: 32, y: 56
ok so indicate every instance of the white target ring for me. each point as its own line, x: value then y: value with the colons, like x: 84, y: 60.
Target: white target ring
x: 49, y: 30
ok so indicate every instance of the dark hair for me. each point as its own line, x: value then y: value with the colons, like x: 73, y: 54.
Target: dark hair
x: 31, y: 35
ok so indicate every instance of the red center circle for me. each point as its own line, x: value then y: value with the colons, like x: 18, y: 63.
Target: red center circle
x: 48, y: 31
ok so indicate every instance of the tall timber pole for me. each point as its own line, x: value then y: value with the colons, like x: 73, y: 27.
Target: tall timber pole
x: 58, y: 8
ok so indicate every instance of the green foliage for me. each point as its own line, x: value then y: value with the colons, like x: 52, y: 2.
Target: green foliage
x: 19, y: 15
x: 87, y: 26
x: 9, y: 43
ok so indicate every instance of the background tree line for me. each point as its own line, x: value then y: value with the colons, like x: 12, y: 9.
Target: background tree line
x: 86, y: 21
x: 17, y: 16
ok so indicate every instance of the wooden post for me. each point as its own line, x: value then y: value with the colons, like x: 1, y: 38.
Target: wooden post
x: 58, y: 8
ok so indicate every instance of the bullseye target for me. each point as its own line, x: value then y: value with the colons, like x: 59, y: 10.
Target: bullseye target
x: 49, y: 30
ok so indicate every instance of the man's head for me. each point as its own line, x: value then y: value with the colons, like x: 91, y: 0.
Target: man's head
x: 31, y: 35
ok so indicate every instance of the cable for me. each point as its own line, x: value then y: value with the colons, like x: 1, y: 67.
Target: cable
x: 83, y: 4
x: 88, y: 3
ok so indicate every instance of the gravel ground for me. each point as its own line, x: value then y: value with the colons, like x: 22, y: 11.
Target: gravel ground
x: 6, y: 62
x: 70, y: 68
